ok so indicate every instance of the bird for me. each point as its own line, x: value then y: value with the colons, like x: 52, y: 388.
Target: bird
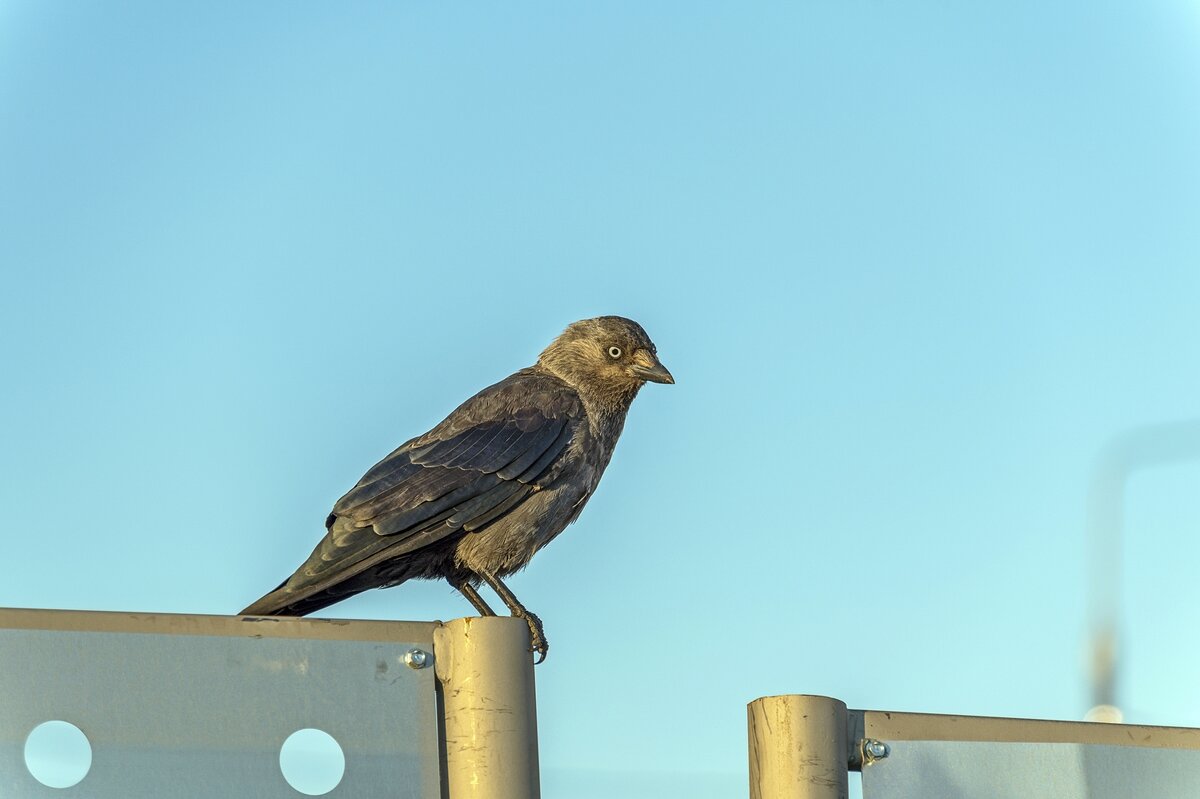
x: 472, y: 500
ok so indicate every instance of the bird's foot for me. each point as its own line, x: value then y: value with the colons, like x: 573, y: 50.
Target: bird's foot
x: 540, y: 645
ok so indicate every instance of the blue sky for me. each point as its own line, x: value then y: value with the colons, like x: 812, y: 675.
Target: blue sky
x: 912, y: 266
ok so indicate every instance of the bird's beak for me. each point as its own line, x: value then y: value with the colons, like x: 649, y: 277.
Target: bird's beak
x: 646, y: 366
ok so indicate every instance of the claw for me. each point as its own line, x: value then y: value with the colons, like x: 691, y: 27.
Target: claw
x: 537, y: 636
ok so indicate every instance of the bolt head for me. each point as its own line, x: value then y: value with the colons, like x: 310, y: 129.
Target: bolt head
x: 416, y: 658
x: 875, y: 750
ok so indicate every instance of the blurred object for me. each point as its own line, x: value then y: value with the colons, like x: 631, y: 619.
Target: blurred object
x: 1138, y: 448
x: 1105, y: 714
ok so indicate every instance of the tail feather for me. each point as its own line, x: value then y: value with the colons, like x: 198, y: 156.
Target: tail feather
x: 289, y: 602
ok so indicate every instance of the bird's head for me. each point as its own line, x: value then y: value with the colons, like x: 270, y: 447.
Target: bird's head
x: 607, y: 356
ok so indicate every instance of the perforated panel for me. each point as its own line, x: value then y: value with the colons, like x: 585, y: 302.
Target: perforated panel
x: 198, y: 706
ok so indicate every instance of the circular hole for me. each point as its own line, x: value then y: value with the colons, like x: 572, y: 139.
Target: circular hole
x: 58, y: 754
x: 312, y: 762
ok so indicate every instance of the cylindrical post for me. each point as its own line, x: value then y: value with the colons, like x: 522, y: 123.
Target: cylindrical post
x: 490, y: 716
x: 797, y: 748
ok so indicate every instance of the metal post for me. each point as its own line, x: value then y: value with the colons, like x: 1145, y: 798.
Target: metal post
x: 489, y: 713
x: 798, y: 748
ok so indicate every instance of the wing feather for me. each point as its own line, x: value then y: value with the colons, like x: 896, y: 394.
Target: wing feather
x: 541, y: 442
x: 539, y: 467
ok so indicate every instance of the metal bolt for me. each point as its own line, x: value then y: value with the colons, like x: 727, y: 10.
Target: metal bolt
x: 874, y: 750
x: 416, y: 658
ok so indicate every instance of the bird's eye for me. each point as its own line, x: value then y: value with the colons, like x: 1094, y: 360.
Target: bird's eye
x: 615, y: 352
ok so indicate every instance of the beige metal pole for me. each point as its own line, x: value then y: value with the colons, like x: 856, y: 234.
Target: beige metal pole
x: 490, y: 725
x: 797, y: 748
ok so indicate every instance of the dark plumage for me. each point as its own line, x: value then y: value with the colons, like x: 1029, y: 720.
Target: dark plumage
x: 473, y: 499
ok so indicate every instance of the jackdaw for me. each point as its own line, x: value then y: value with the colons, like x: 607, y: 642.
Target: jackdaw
x: 473, y: 499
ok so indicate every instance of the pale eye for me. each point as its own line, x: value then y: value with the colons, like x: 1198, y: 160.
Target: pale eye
x: 614, y: 352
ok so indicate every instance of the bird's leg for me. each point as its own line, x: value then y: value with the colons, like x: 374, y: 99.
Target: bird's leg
x: 540, y: 645
x: 468, y: 590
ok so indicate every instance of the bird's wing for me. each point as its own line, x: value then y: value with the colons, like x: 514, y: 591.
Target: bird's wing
x: 488, y: 455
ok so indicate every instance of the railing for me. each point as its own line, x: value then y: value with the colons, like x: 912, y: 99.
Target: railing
x: 802, y: 747
x: 184, y: 707
x: 206, y: 706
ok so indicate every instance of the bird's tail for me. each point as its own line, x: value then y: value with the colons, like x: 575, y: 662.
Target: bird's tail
x: 284, y: 601
x: 307, y: 592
